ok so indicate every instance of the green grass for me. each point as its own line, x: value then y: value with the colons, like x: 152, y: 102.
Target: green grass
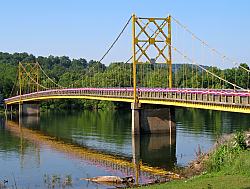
x: 208, y: 182
x: 228, y: 167
x: 240, y: 165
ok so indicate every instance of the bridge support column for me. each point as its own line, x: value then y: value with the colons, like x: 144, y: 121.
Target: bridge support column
x: 152, y: 119
x: 11, y: 112
x: 136, y: 111
x: 6, y: 111
x: 29, y: 109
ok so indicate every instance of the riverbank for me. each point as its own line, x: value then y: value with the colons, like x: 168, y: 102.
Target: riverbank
x: 207, y: 181
x: 225, y: 166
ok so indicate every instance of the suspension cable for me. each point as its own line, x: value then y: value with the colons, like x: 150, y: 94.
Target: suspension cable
x: 14, y: 86
x: 49, y: 77
x: 111, y: 46
x: 208, y: 46
x: 192, y: 61
x: 117, y: 38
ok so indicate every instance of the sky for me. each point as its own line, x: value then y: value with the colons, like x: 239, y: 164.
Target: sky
x: 85, y: 29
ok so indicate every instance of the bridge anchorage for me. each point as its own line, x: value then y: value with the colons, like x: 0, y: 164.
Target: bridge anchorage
x: 151, y: 80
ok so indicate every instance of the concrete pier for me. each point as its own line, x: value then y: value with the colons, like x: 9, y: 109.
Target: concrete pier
x: 29, y: 109
x: 136, y: 114
x: 152, y: 119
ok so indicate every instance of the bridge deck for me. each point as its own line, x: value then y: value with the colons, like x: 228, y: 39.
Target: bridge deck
x: 223, y: 100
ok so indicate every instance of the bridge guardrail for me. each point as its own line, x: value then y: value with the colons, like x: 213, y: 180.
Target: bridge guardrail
x: 213, y: 97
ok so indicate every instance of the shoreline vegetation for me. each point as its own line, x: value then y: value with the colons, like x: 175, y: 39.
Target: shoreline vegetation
x: 226, y: 165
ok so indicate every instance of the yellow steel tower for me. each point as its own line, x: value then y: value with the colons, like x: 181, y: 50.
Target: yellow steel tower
x: 148, y: 33
x: 28, y: 78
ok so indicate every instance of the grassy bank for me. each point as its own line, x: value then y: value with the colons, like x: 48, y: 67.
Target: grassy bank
x: 228, y: 166
x: 209, y: 182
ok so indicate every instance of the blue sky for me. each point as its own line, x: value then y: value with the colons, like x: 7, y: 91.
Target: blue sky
x: 80, y: 28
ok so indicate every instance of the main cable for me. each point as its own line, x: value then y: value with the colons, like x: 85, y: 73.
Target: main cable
x: 117, y: 38
x: 208, y: 46
x: 112, y: 45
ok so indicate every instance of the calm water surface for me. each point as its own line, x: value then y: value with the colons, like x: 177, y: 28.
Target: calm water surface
x: 93, y: 143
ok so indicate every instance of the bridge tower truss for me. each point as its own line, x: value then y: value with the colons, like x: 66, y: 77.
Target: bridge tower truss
x: 28, y: 78
x: 151, y: 43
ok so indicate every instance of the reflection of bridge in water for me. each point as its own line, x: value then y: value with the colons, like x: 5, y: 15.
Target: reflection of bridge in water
x: 144, y: 164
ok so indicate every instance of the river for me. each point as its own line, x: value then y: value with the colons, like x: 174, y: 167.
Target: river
x: 60, y: 148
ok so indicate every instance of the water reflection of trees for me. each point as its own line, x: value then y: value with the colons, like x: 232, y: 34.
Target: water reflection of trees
x: 8, y: 142
x: 115, y: 126
x: 107, y: 126
x: 104, y: 127
x: 15, y: 144
x: 211, y: 122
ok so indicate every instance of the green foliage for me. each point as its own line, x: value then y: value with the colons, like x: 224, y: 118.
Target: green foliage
x: 228, y: 167
x: 106, y: 105
x: 80, y: 73
x: 220, y: 157
x: 206, y: 182
x: 240, y: 141
x: 224, y: 156
x: 240, y: 165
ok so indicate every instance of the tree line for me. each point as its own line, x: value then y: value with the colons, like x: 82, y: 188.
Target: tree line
x: 82, y: 73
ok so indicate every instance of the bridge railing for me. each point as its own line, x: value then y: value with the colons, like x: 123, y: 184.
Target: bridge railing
x: 225, y: 97
x: 216, y: 97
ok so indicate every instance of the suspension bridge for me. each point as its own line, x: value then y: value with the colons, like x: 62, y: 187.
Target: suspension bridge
x: 169, y: 65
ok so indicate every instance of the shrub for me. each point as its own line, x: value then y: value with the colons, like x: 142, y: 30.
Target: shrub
x: 225, y: 154
x: 240, y: 140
